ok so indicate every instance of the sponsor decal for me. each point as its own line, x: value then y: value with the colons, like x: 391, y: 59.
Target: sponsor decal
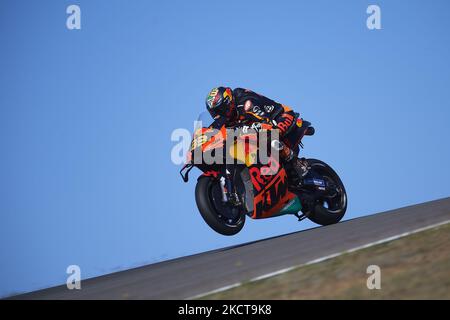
x: 212, y: 95
x: 198, y: 141
x: 255, y: 126
x: 286, y: 123
x: 269, y: 109
x: 272, y: 192
x: 316, y: 182
x: 257, y: 110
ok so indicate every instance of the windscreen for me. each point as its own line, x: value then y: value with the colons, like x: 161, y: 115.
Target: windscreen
x: 204, y: 120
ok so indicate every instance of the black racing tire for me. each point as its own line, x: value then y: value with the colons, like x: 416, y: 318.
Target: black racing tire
x: 321, y: 214
x: 205, y: 204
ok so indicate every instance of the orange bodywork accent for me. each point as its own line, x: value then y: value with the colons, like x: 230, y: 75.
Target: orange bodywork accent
x: 216, y: 141
x: 273, y: 197
x: 255, y: 115
x: 270, y: 182
x: 286, y: 108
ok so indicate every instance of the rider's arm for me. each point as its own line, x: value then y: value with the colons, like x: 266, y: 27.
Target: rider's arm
x: 281, y: 117
x: 254, y: 107
x: 284, y: 120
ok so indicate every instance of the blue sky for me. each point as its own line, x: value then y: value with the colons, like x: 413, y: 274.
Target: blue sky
x: 86, y: 118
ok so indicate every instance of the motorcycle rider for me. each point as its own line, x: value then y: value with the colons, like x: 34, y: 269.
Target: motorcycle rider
x: 233, y: 107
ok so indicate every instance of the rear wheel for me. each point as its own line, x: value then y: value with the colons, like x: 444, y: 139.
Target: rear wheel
x: 330, y: 207
x: 221, y: 217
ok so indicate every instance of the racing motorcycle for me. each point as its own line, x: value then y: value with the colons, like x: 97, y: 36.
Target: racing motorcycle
x: 226, y: 194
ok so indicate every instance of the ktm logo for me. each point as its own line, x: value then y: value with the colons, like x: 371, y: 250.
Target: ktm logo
x: 271, y: 191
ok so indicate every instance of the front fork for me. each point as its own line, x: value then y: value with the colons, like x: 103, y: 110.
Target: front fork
x: 229, y: 194
x: 223, y: 182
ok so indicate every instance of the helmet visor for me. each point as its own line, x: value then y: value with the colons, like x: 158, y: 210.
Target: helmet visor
x: 217, y: 113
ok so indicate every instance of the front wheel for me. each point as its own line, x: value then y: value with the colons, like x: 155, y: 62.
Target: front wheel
x: 221, y: 217
x: 327, y: 209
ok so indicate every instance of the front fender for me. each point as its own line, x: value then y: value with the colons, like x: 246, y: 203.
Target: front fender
x: 210, y: 174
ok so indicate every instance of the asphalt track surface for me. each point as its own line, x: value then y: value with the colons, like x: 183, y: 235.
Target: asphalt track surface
x: 193, y: 275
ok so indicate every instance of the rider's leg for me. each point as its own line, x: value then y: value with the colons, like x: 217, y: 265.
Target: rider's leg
x: 290, y: 151
x: 291, y: 157
x: 230, y: 188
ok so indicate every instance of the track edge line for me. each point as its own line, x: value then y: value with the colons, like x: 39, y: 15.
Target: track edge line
x: 321, y: 259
